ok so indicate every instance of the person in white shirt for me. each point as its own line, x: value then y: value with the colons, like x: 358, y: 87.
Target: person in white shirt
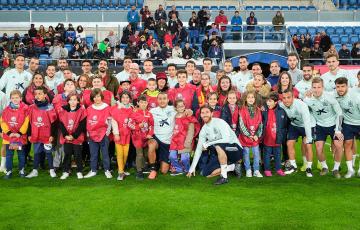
x: 171, y: 75
x: 218, y: 137
x: 124, y: 75
x: 190, y: 67
x: 144, y: 53
x: 50, y: 79
x: 304, y: 85
x: 295, y: 73
x: 242, y: 78
x: 118, y: 54
x: 16, y: 78
x: 228, y: 68
x: 62, y: 65
x: 148, y: 70
x: 207, y: 64
x: 86, y: 68
x: 34, y: 64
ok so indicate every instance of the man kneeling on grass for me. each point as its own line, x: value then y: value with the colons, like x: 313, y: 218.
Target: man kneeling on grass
x: 217, y: 136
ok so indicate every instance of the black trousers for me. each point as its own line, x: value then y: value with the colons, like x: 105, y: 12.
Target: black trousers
x: 76, y: 150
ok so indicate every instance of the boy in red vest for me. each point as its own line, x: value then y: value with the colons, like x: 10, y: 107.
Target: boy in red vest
x: 151, y: 93
x: 42, y: 130
x: 14, y: 126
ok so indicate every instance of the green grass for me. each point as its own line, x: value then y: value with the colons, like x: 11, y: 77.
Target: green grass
x: 293, y: 202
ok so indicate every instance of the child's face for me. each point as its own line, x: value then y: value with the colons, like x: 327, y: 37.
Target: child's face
x: 97, y: 83
x: 125, y: 86
x: 39, y: 95
x: 82, y: 82
x: 182, y: 79
x: 67, y: 74
x: 232, y: 98
x: 161, y: 83
x: 250, y: 99
x: 180, y: 107
x: 125, y: 99
x: 151, y: 85
x: 97, y: 99
x: 73, y: 101
x: 271, y: 103
x: 142, y: 105
x: 213, y: 100
x: 69, y: 87
x: 225, y: 84
x: 15, y: 99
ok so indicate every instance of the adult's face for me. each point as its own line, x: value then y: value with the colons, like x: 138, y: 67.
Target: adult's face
x: 256, y: 69
x: 307, y: 73
x: 134, y: 71
x: 162, y: 100
x: 148, y: 67
x: 275, y: 68
x: 332, y: 63
x: 171, y: 71
x: 292, y: 62
x: 341, y: 89
x: 190, y: 68
x: 317, y: 89
x: 243, y: 64
x: 86, y: 67
x: 228, y: 68
x: 103, y: 67
x: 34, y: 64
x: 207, y: 66
x: 19, y: 63
x: 288, y: 99
x: 62, y: 64
x: 206, y: 115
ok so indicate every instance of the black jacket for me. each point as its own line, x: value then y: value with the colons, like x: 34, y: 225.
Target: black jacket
x: 226, y: 116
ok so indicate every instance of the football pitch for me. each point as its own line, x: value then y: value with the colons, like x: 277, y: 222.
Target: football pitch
x: 292, y: 202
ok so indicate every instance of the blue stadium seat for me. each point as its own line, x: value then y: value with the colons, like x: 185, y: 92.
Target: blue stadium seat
x: 44, y: 59
x: 21, y: 2
x: 275, y: 8
x: 196, y: 8
x: 351, y: 8
x: 89, y: 39
x: 12, y: 2
x: 312, y: 31
x: 232, y: 8
x: 335, y: 39
x: 48, y: 3
x: 123, y: 2
x: 339, y: 30
x: 311, y: 8
x: 132, y: 2
x: 320, y: 29
x: 167, y: 7
x: 3, y: 2
x: 330, y: 30
x: 187, y: 8
x: 354, y: 38
x: 77, y: 8
x: 293, y: 30
x: 357, y: 30
x: 284, y: 8
x: 179, y: 8
x: 89, y: 2
x: 258, y: 8
x: 140, y: 2
x: 342, y: 2
x: 302, y: 30
x: 97, y: 2
x: 214, y: 8
x: 352, y: 2
x: 294, y: 8
x: 348, y: 30
x: 114, y: 2
x: 63, y: 2
x: 302, y: 7
x: 338, y: 47
x: 222, y: 8
x: 69, y: 47
x: 344, y: 39
x: 249, y: 8
x: 106, y: 2
x: 267, y: 7
x: 122, y: 8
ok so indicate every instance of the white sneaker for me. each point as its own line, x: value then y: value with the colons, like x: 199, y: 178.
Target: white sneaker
x: 257, y: 174
x: 64, y: 176
x: 52, y: 173
x: 79, y: 175
x: 34, y: 173
x: 127, y: 173
x: 121, y: 176
x: 3, y: 169
x: 108, y: 174
x: 349, y: 174
x: 248, y: 173
x: 90, y: 174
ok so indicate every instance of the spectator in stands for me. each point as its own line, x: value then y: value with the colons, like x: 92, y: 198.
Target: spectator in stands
x: 103, y: 45
x: 205, y: 45
x: 332, y: 50
x: 187, y: 51
x: 317, y: 38
x: 113, y: 39
x: 174, y: 24
x: 304, y: 56
x: 236, y: 23
x: 51, y: 30
x: 80, y: 33
x: 207, y: 64
x: 160, y: 13
x: 70, y: 27
x: 182, y: 36
x: 142, y: 41
x: 273, y: 77
x: 86, y: 68
x: 135, y: 38
x: 217, y: 38
x: 156, y: 55
x: 194, y: 25
x: 22, y: 49
x: 344, y: 53
x: 133, y: 18
x: 177, y: 52
x: 38, y: 43
x: 144, y: 12
x: 42, y: 31
x: 149, y: 22
x: 118, y: 54
x: 190, y: 67
x: 204, y: 17
x: 32, y: 31
x: 166, y: 52
x: 215, y: 51
x: 96, y: 53
x: 86, y: 53
x: 131, y: 50
x: 317, y: 54
x: 278, y: 22
x: 127, y: 32
x: 144, y: 53
x: 295, y: 40
x: 197, y: 54
x: 160, y: 29
x: 110, y: 82
x: 213, y: 29
x: 169, y: 38
x: 301, y: 42
x: 355, y: 53
x: 221, y: 20
x: 30, y: 51
x: 108, y: 54
x: 325, y: 41
x: 173, y: 11
x: 251, y: 22
x: 26, y: 39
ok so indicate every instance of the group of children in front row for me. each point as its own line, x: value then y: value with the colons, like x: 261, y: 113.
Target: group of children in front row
x: 71, y: 125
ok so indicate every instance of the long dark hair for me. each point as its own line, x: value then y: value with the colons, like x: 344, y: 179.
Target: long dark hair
x: 279, y: 86
x: 219, y: 90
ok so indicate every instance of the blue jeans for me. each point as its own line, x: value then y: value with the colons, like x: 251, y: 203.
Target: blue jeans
x: 9, y: 158
x: 38, y: 149
x: 194, y: 36
x: 256, y: 154
x: 180, y: 161
x: 94, y: 150
x: 268, y: 151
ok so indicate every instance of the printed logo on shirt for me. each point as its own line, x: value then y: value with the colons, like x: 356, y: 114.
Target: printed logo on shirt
x: 179, y: 96
x: 134, y: 91
x: 164, y: 122
x: 93, y: 120
x: 153, y: 105
x: 176, y: 129
x: 70, y: 124
x: 19, y: 86
x: 13, y: 121
x: 39, y: 122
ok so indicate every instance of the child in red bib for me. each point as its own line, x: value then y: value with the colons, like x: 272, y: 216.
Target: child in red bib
x: 98, y: 83
x: 230, y: 112
x: 250, y: 121
x: 72, y: 123
x: 121, y: 113
x: 14, y: 125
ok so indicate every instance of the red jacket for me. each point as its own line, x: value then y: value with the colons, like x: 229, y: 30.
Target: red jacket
x: 40, y: 121
x: 122, y: 118
x: 59, y: 101
x: 71, y: 121
x: 188, y: 94
x: 137, y: 86
x: 14, y: 119
x: 108, y: 95
x: 180, y: 132
x: 169, y: 38
x: 139, y: 134
x: 252, y: 125
x: 29, y: 95
x: 60, y: 88
x: 97, y: 122
x: 221, y: 19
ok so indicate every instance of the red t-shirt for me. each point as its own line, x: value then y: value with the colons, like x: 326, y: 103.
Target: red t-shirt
x: 270, y: 130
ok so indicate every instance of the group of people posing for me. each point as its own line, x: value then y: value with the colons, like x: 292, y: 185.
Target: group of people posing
x: 181, y: 121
